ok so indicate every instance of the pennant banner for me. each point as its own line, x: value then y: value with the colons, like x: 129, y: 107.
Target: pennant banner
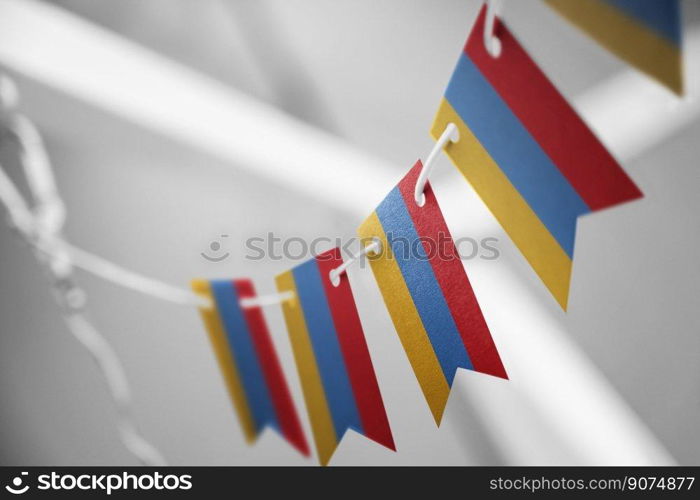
x: 337, y: 377
x: 527, y: 154
x: 645, y: 33
x: 249, y: 362
x: 427, y: 292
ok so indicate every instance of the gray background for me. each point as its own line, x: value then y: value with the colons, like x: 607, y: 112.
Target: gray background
x: 371, y: 73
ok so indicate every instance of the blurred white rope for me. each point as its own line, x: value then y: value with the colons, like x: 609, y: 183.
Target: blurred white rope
x: 129, y: 279
x: 41, y: 226
x: 113, y: 372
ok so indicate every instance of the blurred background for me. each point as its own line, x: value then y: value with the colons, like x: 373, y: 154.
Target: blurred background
x: 170, y: 123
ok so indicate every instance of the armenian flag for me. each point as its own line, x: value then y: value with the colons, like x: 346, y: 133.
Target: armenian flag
x: 526, y: 152
x: 427, y: 292
x: 645, y: 33
x: 249, y: 362
x: 337, y: 376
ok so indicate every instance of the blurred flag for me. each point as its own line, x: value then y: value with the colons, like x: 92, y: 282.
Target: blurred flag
x: 527, y: 153
x: 249, y: 362
x: 336, y: 372
x: 645, y: 33
x: 427, y: 292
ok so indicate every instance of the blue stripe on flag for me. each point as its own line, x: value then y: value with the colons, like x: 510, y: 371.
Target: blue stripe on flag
x: 516, y: 152
x: 423, y: 285
x: 244, y: 354
x: 324, y: 339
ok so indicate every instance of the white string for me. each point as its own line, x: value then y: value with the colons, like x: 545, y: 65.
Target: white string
x: 266, y: 300
x: 49, y: 210
x: 129, y: 279
x: 23, y: 220
x: 118, y: 386
x: 41, y: 228
x: 451, y: 133
x: 19, y: 215
x: 137, y: 282
x: 491, y: 42
x: 334, y: 274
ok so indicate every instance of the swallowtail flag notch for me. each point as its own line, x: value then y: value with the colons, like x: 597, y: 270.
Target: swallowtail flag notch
x: 526, y: 152
x: 427, y: 292
x: 337, y: 376
x: 249, y: 362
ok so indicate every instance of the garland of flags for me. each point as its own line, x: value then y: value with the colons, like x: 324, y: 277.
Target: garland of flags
x: 536, y: 166
x: 336, y: 372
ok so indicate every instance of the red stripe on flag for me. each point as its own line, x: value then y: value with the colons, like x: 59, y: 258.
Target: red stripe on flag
x: 287, y: 417
x: 351, y: 338
x: 453, y: 280
x: 560, y: 132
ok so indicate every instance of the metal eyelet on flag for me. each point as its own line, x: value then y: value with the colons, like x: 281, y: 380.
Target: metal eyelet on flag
x: 491, y: 42
x: 450, y: 134
x: 334, y: 274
